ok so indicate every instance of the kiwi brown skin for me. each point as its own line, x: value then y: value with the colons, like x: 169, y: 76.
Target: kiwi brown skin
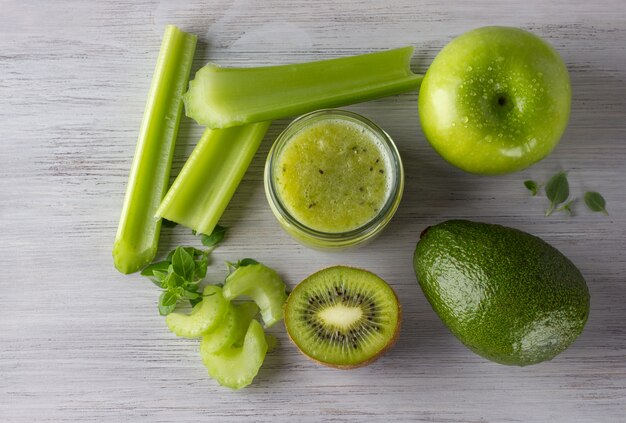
x: 387, y: 347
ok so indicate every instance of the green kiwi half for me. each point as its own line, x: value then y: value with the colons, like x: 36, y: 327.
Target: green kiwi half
x: 343, y: 317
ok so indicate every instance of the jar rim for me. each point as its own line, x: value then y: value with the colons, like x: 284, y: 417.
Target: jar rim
x: 373, y: 225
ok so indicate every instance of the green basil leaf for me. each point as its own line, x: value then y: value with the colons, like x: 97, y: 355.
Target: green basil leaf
x: 532, y: 187
x: 215, y: 237
x: 158, y: 278
x: 201, y: 267
x: 557, y: 191
x: 190, y: 295
x: 156, y: 272
x: 168, y: 298
x: 183, y: 263
x: 595, y: 201
x: 172, y: 281
x: 160, y: 266
x: 167, y: 303
x: 160, y: 275
x: 194, y: 252
x: 165, y: 310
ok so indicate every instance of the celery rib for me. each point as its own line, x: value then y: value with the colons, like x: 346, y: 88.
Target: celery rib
x: 138, y: 231
x: 209, y: 178
x: 224, y: 97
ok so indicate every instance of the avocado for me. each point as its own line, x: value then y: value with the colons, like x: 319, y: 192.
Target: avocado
x: 507, y: 295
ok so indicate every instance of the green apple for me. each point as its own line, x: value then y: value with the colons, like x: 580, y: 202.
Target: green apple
x: 495, y: 100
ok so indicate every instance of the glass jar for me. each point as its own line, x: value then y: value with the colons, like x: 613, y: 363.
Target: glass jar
x: 333, y: 179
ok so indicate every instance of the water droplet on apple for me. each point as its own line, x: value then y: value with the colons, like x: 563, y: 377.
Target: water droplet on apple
x: 500, y: 134
x: 469, y: 68
x: 489, y: 68
x: 465, y: 119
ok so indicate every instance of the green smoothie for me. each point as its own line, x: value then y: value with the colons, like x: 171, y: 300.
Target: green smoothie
x: 333, y: 175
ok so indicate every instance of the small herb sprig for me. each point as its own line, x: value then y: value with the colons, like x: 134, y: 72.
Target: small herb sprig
x: 558, y: 192
x: 180, y: 274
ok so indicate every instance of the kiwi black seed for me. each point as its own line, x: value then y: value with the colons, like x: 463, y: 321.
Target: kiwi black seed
x: 343, y: 317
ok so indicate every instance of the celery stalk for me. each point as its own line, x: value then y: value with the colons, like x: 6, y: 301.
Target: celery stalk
x: 138, y: 231
x: 209, y: 178
x: 224, y: 97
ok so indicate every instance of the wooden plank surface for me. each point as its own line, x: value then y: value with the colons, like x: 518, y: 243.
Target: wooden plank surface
x: 80, y: 342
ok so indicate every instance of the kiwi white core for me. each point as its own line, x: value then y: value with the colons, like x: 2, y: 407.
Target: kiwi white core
x: 341, y: 316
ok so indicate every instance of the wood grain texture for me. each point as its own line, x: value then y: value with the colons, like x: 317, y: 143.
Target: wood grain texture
x: 80, y: 342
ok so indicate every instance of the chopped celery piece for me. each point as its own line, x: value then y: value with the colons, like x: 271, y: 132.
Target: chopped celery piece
x: 204, y: 316
x: 209, y: 178
x: 232, y: 329
x: 138, y: 231
x: 236, y: 367
x: 224, y: 97
x: 263, y: 285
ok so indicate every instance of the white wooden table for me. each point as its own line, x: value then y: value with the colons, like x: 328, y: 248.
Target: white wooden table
x: 81, y: 342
